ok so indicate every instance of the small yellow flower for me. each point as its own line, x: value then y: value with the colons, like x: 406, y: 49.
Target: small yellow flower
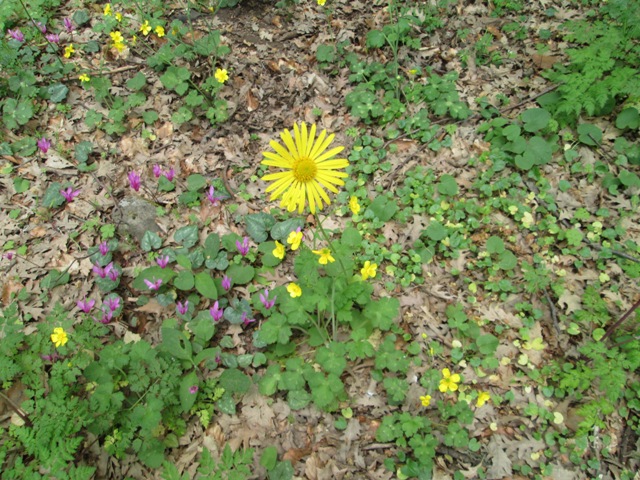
x: 116, y: 37
x: 294, y: 290
x: 354, y: 205
x: 221, y: 75
x: 107, y: 10
x: 426, y: 400
x: 119, y: 46
x: 369, y: 270
x: 322, y: 2
x: 483, y: 397
x: 118, y: 16
x: 325, y: 256
x: 59, y: 337
x: 145, y: 28
x: 159, y: 31
x: 294, y: 239
x: 84, y: 78
x: 134, y: 40
x: 68, y: 50
x: 278, y: 252
x: 413, y: 71
x: 449, y: 382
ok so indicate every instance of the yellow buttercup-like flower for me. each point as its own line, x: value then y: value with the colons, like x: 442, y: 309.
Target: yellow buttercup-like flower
x: 278, y: 252
x: 116, y: 37
x: 449, y: 382
x: 145, y: 28
x: 368, y: 270
x: 159, y: 31
x: 221, y: 75
x: 294, y: 239
x: 322, y: 2
x: 107, y: 10
x: 294, y: 290
x: 325, y: 256
x: 84, y: 78
x: 354, y: 206
x: 68, y: 50
x: 118, y: 16
x: 59, y: 337
x: 308, y: 168
x: 483, y: 397
x: 425, y: 400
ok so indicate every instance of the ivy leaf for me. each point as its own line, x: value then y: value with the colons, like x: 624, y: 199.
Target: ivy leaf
x: 187, y: 236
x: 495, y: 244
x: 137, y: 82
x: 258, y: 224
x: 150, y: 241
x: 436, y: 231
x: 574, y: 237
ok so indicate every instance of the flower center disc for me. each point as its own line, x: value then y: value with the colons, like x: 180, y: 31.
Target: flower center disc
x: 304, y: 170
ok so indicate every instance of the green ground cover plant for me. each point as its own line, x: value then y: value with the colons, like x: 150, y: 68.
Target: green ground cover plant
x: 306, y: 294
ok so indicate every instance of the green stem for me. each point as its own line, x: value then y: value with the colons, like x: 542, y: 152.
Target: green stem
x: 331, y: 247
x: 24, y: 7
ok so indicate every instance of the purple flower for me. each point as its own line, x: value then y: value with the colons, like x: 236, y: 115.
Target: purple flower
x: 182, y: 308
x: 43, y: 144
x: 170, y: 174
x: 266, y: 301
x: 134, y: 181
x: 246, y: 320
x: 112, y: 303
x: 162, y: 261
x: 102, y: 272
x: 104, y: 248
x: 68, y: 25
x: 41, y: 26
x: 9, y: 255
x: 113, y: 274
x: 16, y: 35
x: 212, y: 197
x: 157, y: 171
x: 107, y: 315
x: 69, y: 193
x: 226, y: 283
x: 243, y: 247
x: 53, y: 37
x: 216, y: 312
x: 155, y: 285
x: 193, y: 390
x: 218, y: 359
x: 85, y: 306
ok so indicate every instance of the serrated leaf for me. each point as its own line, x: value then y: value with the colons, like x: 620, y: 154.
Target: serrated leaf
x: 375, y: 39
x: 448, y: 185
x: 83, y: 150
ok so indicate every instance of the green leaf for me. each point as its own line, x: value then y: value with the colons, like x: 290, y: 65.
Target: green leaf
x: 165, y: 185
x: 269, y: 457
x: 241, y: 274
x: 330, y: 361
x: 298, y: 399
x: 21, y: 185
x: 589, y: 134
x: 187, y: 399
x: 150, y: 116
x: 153, y: 273
x: 234, y: 381
x: 383, y: 208
x: 283, y: 471
x: 495, y: 244
x: 281, y: 230
x: 382, y: 312
x: 212, y: 246
x: 628, y: 179
x: 436, y: 231
x: 375, y: 39
x: 196, y: 182
x: 258, y: 224
x: 535, y: 119
x: 187, y: 236
x: 137, y: 82
x: 268, y: 259
x: 150, y: 241
x: 184, y: 280
x: 628, y: 118
x: 325, y: 53
x: 351, y: 238
x: 53, y: 279
x: 206, y: 354
x: 80, y: 17
x: 448, y: 185
x: 52, y: 197
x: 206, y: 286
x: 487, y: 344
x: 83, y: 150
x: 176, y: 343
x: 508, y: 260
x: 574, y: 237
x: 174, y: 76
x: 268, y: 384
x: 57, y: 92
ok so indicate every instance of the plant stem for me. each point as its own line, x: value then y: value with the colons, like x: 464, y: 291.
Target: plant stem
x: 331, y: 247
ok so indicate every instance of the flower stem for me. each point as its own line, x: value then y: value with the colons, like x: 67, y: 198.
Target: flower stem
x: 332, y: 248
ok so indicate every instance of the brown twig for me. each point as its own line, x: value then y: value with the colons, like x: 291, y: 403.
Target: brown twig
x: 626, y: 315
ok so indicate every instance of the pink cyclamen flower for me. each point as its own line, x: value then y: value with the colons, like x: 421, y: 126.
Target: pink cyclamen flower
x: 246, y: 320
x: 53, y: 37
x: 43, y: 144
x: 41, y: 26
x: 266, y: 301
x: 193, y: 390
x: 112, y: 303
x: 155, y: 285
x: 182, y: 308
x: 113, y: 274
x: 69, y: 194
x: 170, y: 174
x: 218, y: 359
x: 226, y: 283
x: 243, y: 247
x: 86, y: 305
x: 107, y: 316
x: 162, y: 261
x: 104, y: 248
x: 134, y: 181
x: 102, y: 272
x: 68, y: 25
x: 157, y: 171
x: 9, y: 255
x: 16, y: 35
x: 212, y: 197
x: 216, y: 312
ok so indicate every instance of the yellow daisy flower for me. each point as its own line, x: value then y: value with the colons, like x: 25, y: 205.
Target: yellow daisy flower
x: 159, y: 31
x: 294, y: 290
x: 325, y: 256
x: 68, y: 50
x: 84, y: 78
x: 425, y: 400
x: 294, y: 239
x: 278, y: 252
x: 483, y: 397
x: 59, y: 337
x: 308, y: 168
x: 368, y: 270
x: 354, y: 206
x: 145, y: 28
x: 221, y: 75
x: 449, y: 382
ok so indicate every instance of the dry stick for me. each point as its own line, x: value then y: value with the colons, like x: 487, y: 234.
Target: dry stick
x: 622, y: 319
x: 17, y: 409
x: 552, y: 309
